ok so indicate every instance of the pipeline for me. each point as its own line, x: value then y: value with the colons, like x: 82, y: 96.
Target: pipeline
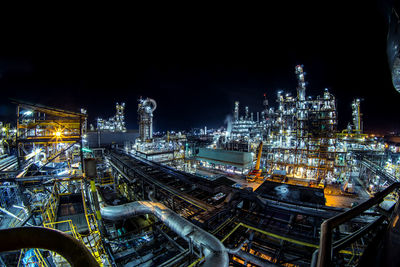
x: 238, y: 248
x: 70, y: 248
x: 13, y: 215
x: 249, y: 257
x: 254, y: 259
x: 214, y: 251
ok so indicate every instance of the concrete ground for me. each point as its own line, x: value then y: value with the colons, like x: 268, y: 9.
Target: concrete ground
x: 336, y: 198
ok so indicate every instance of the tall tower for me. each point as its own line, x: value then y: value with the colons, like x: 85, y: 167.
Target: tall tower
x: 301, y: 107
x: 265, y: 101
x: 356, y: 114
x: 236, y: 114
x: 120, y: 118
x: 145, y: 111
x: 301, y: 84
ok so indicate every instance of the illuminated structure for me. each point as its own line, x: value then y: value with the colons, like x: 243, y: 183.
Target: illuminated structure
x: 47, y: 133
x: 300, y: 136
x: 43, y: 185
x: 356, y: 115
x: 193, y: 216
x: 244, y: 127
x: 146, y: 108
x: 116, y: 123
x: 120, y: 118
x: 236, y: 112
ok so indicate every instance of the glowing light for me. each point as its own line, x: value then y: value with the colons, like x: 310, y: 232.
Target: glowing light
x: 27, y: 113
x: 58, y: 133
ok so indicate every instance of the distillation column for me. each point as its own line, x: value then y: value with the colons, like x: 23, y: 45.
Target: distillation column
x: 236, y: 115
x: 355, y: 105
x: 301, y: 106
x: 120, y: 118
x: 145, y: 111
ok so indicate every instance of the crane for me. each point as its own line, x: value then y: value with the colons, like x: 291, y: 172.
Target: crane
x: 255, y: 174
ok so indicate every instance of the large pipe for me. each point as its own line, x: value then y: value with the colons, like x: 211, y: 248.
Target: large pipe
x: 70, y: 248
x: 213, y: 250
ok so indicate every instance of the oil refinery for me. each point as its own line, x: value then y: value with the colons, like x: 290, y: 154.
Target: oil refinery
x: 280, y: 186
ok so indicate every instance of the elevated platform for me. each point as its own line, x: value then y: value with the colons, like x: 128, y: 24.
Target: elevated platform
x: 71, y: 208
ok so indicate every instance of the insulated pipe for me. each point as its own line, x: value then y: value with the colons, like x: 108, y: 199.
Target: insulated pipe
x: 70, y: 248
x: 214, y: 251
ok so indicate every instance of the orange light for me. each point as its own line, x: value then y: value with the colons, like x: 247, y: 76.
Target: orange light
x: 58, y: 133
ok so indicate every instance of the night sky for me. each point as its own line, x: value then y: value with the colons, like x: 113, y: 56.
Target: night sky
x: 196, y: 65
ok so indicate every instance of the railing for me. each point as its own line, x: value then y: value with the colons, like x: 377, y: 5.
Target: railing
x: 49, y: 211
x: 93, y: 240
x: 327, y: 252
x: 103, y: 181
x: 72, y: 230
x: 40, y: 260
x: 196, y: 262
x: 15, y: 221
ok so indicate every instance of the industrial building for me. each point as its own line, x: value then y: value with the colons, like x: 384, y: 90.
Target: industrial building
x: 115, y: 123
x: 283, y: 188
x: 301, y: 138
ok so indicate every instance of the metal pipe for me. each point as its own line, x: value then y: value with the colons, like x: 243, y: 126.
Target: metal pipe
x: 12, y: 215
x: 247, y: 256
x: 314, y: 258
x: 235, y: 250
x: 214, y: 251
x: 70, y: 248
x: 254, y: 259
x: 140, y: 260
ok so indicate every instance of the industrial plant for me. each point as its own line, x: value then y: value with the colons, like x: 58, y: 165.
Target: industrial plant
x: 281, y: 186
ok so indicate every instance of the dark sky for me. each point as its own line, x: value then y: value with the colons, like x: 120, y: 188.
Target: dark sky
x: 196, y: 65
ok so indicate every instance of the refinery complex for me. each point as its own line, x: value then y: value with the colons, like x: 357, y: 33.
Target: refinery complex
x: 280, y: 186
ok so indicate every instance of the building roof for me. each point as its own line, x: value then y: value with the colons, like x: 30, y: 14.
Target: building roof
x: 47, y: 110
x: 225, y: 157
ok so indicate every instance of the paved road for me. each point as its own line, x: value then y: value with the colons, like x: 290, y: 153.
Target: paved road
x: 335, y: 198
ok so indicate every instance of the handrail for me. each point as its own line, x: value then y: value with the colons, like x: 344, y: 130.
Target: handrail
x: 326, y: 245
x: 70, y: 248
